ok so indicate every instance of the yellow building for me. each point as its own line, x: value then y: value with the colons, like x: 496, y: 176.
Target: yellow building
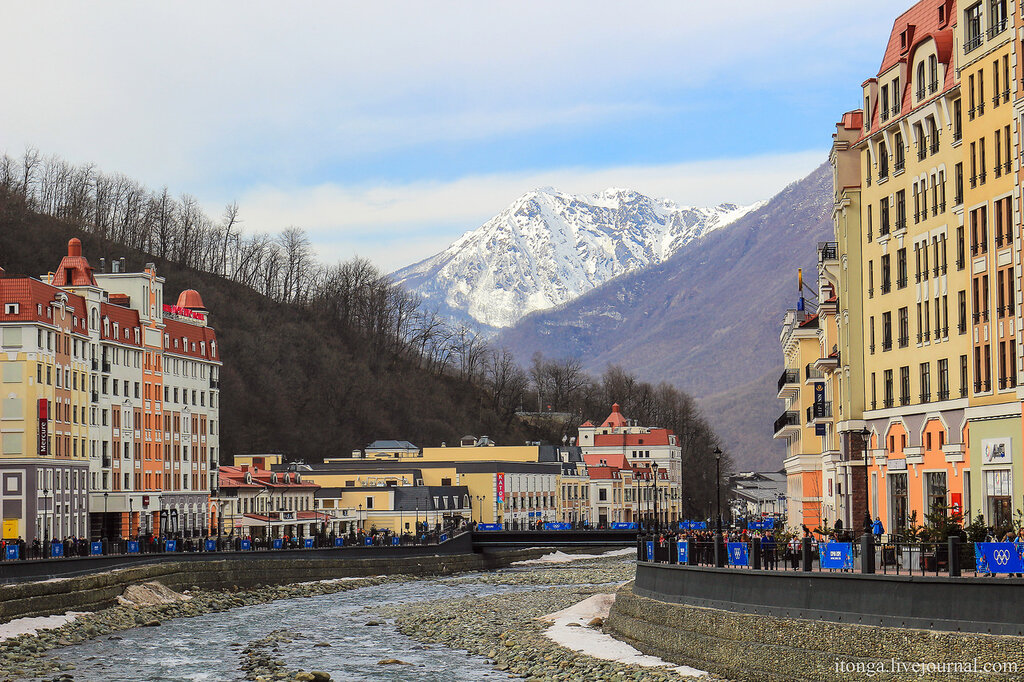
x: 993, y: 431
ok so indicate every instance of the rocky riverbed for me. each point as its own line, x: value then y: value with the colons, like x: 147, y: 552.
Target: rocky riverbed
x: 29, y: 655
x: 505, y: 627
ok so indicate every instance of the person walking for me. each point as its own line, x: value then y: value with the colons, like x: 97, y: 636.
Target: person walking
x: 877, y: 529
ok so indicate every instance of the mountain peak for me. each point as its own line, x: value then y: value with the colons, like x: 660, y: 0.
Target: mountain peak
x: 548, y: 247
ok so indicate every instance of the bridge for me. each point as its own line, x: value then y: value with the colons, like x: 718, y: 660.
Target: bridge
x: 512, y: 539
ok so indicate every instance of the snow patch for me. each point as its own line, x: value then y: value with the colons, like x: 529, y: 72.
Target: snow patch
x: 592, y: 642
x: 559, y: 557
x: 30, y: 626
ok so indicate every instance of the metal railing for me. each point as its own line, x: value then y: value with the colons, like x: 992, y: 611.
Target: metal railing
x: 789, y: 376
x: 788, y: 418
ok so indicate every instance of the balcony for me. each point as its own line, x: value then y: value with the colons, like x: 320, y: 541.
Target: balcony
x: 828, y: 251
x: 787, y: 425
x: 901, y: 224
x: 827, y: 365
x: 995, y: 29
x: 789, y: 384
x: 812, y: 373
x: 106, y: 366
x: 819, y: 413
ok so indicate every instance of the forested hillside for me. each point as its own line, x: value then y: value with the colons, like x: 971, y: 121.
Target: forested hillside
x: 319, y: 359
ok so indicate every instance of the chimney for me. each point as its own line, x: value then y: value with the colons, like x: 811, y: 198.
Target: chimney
x: 123, y: 266
x: 115, y: 266
x: 103, y: 264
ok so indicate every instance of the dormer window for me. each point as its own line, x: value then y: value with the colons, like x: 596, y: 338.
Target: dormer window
x: 903, y: 40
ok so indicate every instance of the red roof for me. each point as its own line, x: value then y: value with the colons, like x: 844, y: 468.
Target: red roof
x: 586, y: 424
x: 181, y: 338
x: 190, y: 298
x: 615, y: 419
x: 853, y: 120
x: 234, y: 477
x: 810, y: 318
x: 615, y: 460
x: 74, y: 270
x: 127, y: 321
x: 916, y: 26
x: 34, y: 298
x: 637, y: 440
x: 602, y: 473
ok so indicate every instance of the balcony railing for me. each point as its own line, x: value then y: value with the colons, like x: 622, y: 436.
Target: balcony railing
x: 789, y: 418
x: 905, y: 399
x: 106, y: 366
x: 887, y: 344
x: 934, y: 146
x: 828, y: 251
x: 996, y: 28
x: 926, y: 397
x: 812, y: 373
x: 95, y: 396
x: 904, y: 341
x: 972, y: 43
x: 901, y: 283
x: 899, y: 165
x: 888, y: 402
x: 962, y: 327
x: 819, y: 411
x: 933, y: 87
x: 886, y: 287
x: 943, y: 394
x: 920, y: 92
x: 790, y: 376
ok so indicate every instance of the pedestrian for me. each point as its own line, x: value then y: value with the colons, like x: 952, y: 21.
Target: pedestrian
x: 877, y: 529
x: 768, y: 552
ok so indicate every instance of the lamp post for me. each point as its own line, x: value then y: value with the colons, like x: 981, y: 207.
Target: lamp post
x: 719, y: 557
x: 865, y: 435
x: 105, y: 496
x: 657, y: 521
x: 46, y: 522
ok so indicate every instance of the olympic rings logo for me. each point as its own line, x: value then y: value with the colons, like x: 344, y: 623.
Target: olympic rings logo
x: 1001, y: 556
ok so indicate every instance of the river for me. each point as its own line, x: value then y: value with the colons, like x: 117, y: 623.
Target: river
x: 209, y: 647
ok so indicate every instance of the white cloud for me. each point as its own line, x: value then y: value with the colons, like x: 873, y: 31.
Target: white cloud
x: 398, y: 224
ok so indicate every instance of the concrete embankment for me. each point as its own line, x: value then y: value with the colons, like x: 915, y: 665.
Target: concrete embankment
x: 744, y: 646
x: 94, y: 591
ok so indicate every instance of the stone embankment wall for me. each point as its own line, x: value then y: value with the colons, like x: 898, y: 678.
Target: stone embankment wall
x: 743, y: 646
x: 98, y: 590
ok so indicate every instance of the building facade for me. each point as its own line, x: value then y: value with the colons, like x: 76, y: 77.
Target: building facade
x: 121, y: 435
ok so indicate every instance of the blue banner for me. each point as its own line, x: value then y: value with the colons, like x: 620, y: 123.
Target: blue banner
x: 488, y: 526
x: 766, y: 524
x: 837, y: 555
x: 56, y: 549
x: 307, y: 543
x: 623, y: 525
x: 683, y: 552
x: 211, y: 545
x: 367, y: 541
x: 738, y: 554
x: 169, y: 546
x: 999, y: 557
x: 96, y: 548
x: 133, y: 546
x: 650, y: 550
x: 245, y: 545
x: 551, y: 525
x: 444, y: 537
x: 394, y: 541
x: 278, y: 543
x: 12, y: 552
x: 339, y: 542
x: 693, y: 525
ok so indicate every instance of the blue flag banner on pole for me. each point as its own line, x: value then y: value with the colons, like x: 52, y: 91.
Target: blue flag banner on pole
x: 755, y: 525
x: 738, y: 554
x: 444, y: 537
x: 133, y: 546
x: 623, y: 525
x: 837, y: 555
x: 550, y: 525
x: 367, y: 541
x: 998, y: 557
x: 307, y: 543
x: 488, y: 526
x: 171, y: 546
x: 246, y: 545
x: 12, y: 552
x: 769, y: 523
x: 683, y: 552
x: 96, y: 548
x: 698, y: 525
x: 278, y: 543
x: 650, y: 550
x: 394, y: 541
x: 211, y: 545
x: 339, y: 542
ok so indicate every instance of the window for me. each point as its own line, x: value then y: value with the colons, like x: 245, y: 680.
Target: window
x: 901, y: 267
x: 11, y: 308
x: 886, y: 331
x: 933, y: 74
x: 887, y: 380
x: 920, y: 81
x: 898, y: 497
x: 904, y: 328
x: 886, y: 282
x: 943, y: 379
x: 972, y: 28
x: 905, y: 385
x: 926, y: 382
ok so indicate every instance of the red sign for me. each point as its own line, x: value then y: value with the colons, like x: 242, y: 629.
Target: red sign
x: 145, y: 500
x: 176, y: 311
x: 43, y: 444
x: 500, y: 488
x: 955, y: 500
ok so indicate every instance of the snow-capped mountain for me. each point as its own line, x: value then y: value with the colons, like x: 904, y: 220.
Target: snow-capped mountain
x: 549, y: 247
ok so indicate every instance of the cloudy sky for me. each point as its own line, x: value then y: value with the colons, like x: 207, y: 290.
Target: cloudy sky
x: 387, y: 129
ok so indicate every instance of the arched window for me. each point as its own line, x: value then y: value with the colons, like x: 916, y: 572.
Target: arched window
x: 920, y: 81
x: 899, y: 159
x: 883, y: 161
x: 933, y: 74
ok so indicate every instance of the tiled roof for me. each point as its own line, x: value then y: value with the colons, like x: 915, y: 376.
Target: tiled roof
x: 127, y: 321
x: 615, y: 419
x: 638, y: 440
x: 74, y: 270
x: 34, y: 298
x: 191, y: 340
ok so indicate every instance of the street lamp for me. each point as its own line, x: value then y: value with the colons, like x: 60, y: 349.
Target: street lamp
x: 657, y: 521
x: 865, y: 435
x: 46, y: 522
x: 105, y: 496
x: 720, y: 559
